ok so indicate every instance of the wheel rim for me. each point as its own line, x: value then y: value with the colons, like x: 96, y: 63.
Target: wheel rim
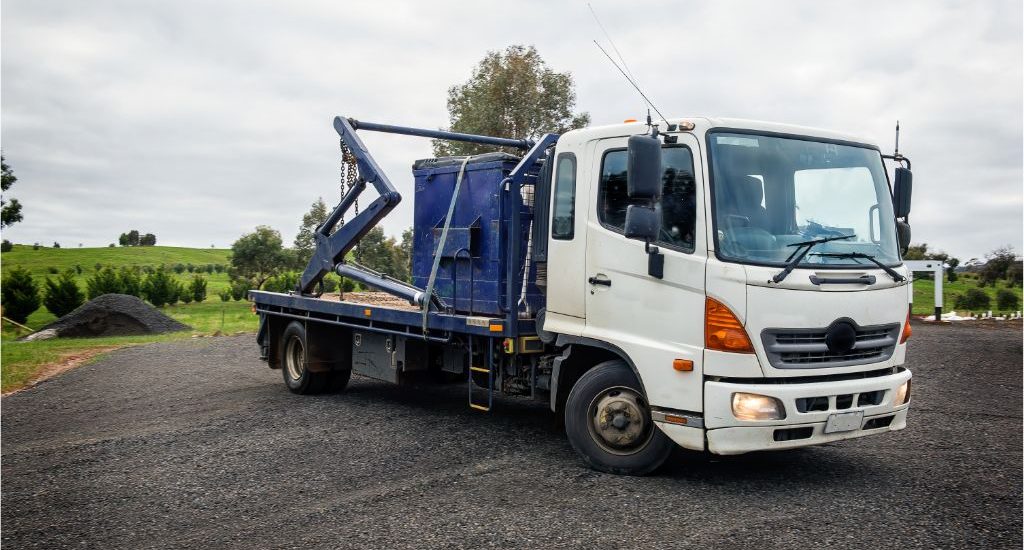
x: 619, y: 421
x: 295, y: 358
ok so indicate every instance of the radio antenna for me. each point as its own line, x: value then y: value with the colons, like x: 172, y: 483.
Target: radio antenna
x: 630, y: 80
x: 896, y: 153
x: 612, y: 42
x: 626, y: 73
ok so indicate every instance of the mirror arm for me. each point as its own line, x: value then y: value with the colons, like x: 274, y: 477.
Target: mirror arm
x: 655, y: 261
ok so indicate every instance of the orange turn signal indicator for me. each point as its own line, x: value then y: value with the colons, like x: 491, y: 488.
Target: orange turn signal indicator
x: 723, y: 331
x: 675, y: 419
x: 682, y: 365
x: 907, y: 331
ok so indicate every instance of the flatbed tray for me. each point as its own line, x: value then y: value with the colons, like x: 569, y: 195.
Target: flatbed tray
x: 382, y: 312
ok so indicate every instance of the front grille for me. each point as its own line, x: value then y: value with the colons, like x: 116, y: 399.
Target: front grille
x: 806, y: 348
x: 821, y: 403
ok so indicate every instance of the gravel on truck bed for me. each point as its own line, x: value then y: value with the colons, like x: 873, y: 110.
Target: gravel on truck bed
x: 197, y: 444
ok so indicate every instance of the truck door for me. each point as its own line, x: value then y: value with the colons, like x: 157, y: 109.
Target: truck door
x: 654, y: 321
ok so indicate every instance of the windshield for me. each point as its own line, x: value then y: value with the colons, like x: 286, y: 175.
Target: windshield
x: 771, y: 192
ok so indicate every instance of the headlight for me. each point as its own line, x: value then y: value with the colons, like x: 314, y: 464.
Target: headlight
x: 751, y: 406
x: 902, y: 394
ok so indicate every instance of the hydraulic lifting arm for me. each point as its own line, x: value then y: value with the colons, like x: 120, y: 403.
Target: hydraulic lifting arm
x: 331, y: 248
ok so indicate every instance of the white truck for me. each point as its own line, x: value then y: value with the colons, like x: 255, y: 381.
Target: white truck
x: 723, y: 285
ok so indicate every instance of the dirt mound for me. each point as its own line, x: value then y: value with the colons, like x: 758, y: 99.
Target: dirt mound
x: 114, y: 315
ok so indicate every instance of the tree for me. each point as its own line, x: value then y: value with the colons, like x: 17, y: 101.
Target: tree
x: 511, y: 94
x: 378, y: 253
x: 20, y: 295
x: 916, y: 252
x: 259, y: 255
x: 197, y: 288
x: 7, y: 246
x: 56, y: 244
x: 160, y: 288
x: 305, y: 240
x: 105, y: 281
x: 1006, y: 300
x: 951, y: 265
x: 63, y: 295
x: 973, y: 299
x: 998, y: 264
x: 148, y: 239
x: 131, y: 282
x: 9, y: 213
x: 132, y: 238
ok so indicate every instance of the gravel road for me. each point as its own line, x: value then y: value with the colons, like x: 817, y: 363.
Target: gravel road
x: 197, y: 444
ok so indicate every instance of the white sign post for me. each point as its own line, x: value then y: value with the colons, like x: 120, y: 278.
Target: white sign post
x: 934, y: 266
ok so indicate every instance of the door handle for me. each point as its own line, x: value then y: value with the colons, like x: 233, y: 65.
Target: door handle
x: 596, y: 281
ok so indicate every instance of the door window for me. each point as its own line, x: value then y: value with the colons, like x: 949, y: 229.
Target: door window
x: 678, y: 202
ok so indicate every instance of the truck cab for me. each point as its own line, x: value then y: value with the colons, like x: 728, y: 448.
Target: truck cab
x: 731, y: 358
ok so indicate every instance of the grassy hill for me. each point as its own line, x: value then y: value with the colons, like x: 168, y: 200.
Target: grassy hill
x: 38, y: 262
x: 207, y: 317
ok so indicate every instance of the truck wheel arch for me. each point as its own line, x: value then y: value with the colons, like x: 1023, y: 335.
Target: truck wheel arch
x: 579, y: 355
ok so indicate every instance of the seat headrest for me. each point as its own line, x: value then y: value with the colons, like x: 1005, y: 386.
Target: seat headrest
x: 749, y: 191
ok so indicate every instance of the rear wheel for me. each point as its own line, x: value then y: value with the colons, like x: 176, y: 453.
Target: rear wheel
x: 609, y: 424
x: 297, y: 376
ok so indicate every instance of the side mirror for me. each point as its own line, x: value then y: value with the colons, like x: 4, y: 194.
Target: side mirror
x: 643, y: 170
x: 903, y: 236
x: 642, y: 223
x: 901, y: 191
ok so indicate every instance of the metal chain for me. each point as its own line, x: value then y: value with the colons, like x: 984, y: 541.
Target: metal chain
x: 349, y: 174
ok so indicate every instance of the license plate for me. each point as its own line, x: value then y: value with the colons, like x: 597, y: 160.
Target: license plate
x: 844, y: 422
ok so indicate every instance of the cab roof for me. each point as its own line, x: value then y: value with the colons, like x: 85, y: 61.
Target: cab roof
x: 703, y: 124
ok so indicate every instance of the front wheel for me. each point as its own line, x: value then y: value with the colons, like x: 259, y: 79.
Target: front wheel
x: 608, y: 422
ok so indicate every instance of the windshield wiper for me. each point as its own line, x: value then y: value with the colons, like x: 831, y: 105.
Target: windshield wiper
x: 854, y: 255
x: 798, y: 255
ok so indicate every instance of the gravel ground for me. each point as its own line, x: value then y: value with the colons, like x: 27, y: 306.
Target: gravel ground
x: 114, y: 315
x: 198, y: 444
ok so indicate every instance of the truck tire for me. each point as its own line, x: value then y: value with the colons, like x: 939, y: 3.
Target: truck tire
x: 608, y: 422
x: 293, y: 364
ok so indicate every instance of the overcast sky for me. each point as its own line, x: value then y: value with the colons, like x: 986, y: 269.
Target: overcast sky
x: 198, y: 120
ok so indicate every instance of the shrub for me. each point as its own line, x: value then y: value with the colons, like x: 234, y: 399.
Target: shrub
x: 98, y: 266
x: 197, y: 288
x: 219, y: 268
x: 190, y: 268
x: 6, y: 246
x: 348, y: 285
x: 330, y: 284
x: 282, y: 283
x: 185, y: 296
x: 62, y: 296
x: 78, y: 269
x: 1006, y: 300
x: 160, y: 288
x: 20, y: 295
x: 179, y: 268
x: 208, y: 268
x: 973, y: 299
x: 35, y: 246
x: 225, y: 295
x: 131, y: 282
x: 148, y: 269
x: 239, y: 288
x: 103, y: 282
x: 52, y: 270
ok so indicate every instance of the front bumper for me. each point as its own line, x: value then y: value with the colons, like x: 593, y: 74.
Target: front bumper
x: 727, y: 435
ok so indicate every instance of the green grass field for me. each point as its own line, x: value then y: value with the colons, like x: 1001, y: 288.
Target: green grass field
x: 924, y: 295
x: 41, y: 262
x: 20, y: 361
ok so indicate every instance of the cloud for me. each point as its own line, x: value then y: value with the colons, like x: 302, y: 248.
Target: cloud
x: 198, y: 121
